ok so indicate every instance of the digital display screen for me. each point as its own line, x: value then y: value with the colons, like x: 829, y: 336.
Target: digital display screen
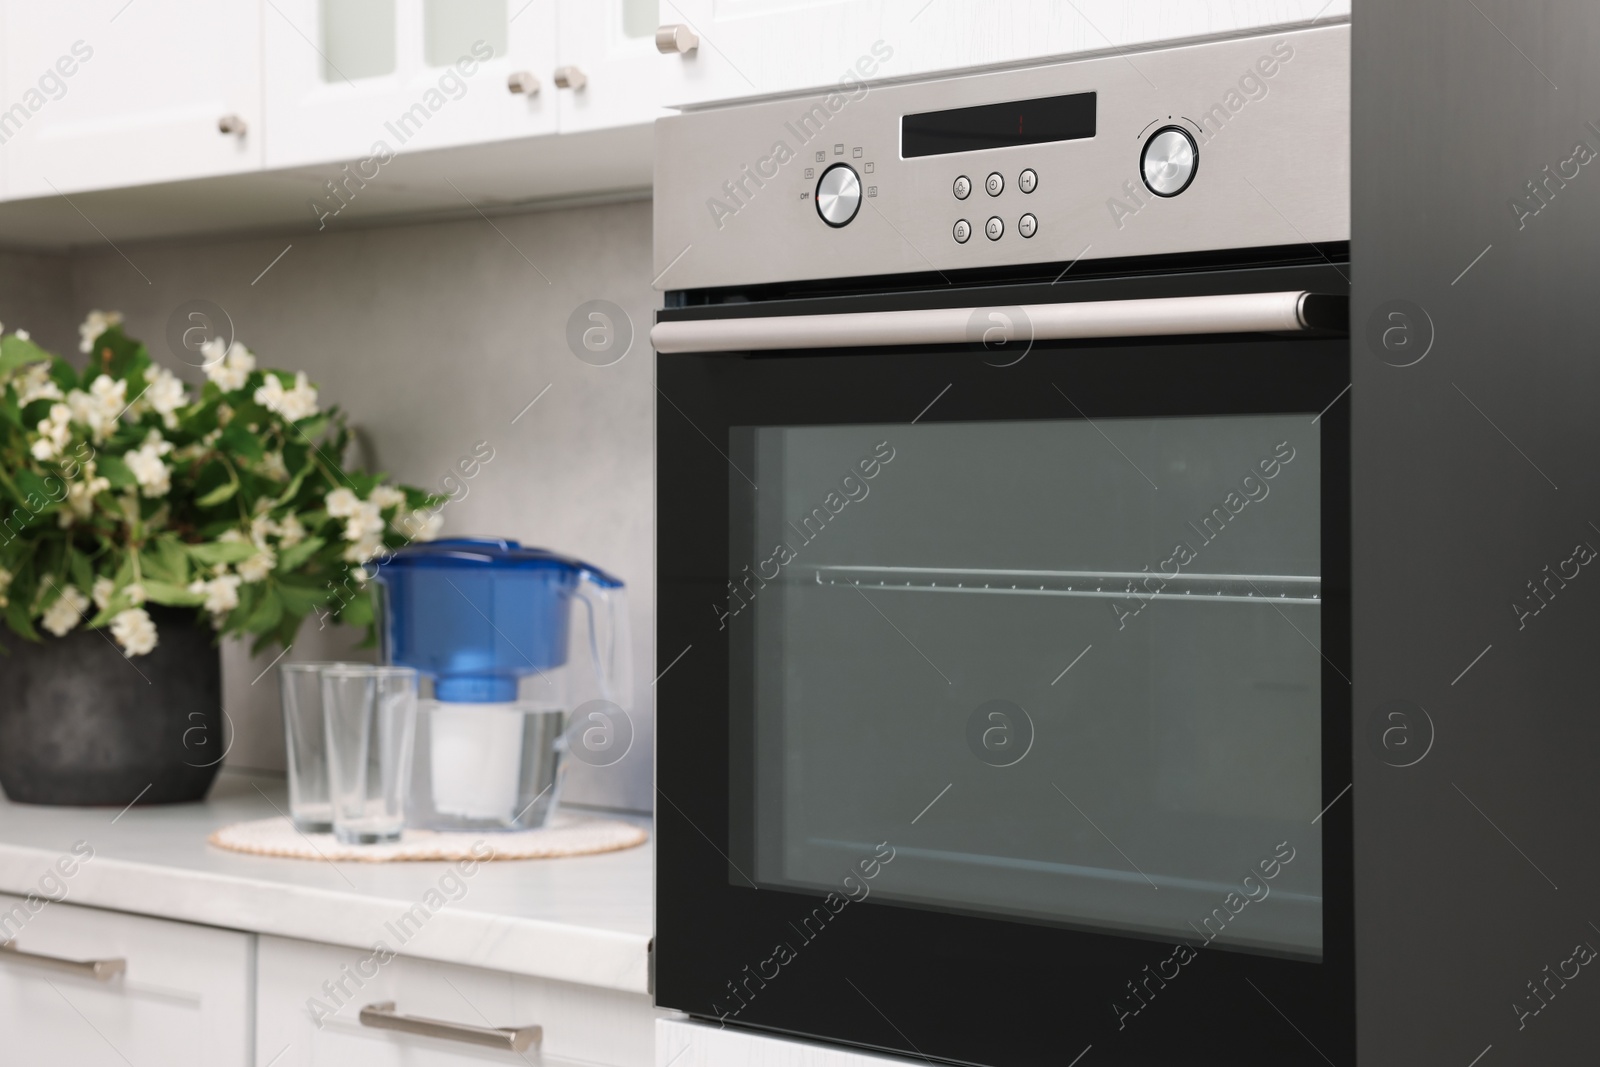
x: 1016, y: 122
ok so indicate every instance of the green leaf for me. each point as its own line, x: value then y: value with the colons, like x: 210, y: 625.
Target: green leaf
x: 174, y: 596
x: 78, y: 565
x: 15, y: 352
x: 266, y: 614
x: 221, y: 552
x: 115, y: 471
x: 313, y: 427
x: 236, y: 438
x: 221, y: 493
x: 168, y: 557
x: 358, y: 612
x: 32, y: 486
x: 17, y: 619
x: 300, y: 598
x: 290, y: 559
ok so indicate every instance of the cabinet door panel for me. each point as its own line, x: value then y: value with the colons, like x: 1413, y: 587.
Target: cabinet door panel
x: 309, y: 998
x: 344, y: 77
x: 183, y: 999
x: 613, y: 43
x: 758, y: 47
x: 102, y: 93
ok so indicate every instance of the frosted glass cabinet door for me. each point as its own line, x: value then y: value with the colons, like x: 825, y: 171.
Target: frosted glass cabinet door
x: 355, y: 79
x: 757, y: 47
x: 102, y: 93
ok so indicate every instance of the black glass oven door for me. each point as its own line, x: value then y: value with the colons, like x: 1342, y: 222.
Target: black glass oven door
x: 1010, y: 699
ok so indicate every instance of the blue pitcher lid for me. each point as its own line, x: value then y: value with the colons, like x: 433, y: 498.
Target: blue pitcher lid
x: 493, y: 552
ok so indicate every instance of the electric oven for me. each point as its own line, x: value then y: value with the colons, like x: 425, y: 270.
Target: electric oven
x: 1003, y: 562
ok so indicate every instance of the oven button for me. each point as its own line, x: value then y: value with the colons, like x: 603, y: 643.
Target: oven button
x: 963, y: 187
x: 1028, y: 181
x: 838, y: 194
x: 994, y: 228
x: 963, y: 231
x: 994, y: 184
x: 1169, y: 161
x: 1027, y: 225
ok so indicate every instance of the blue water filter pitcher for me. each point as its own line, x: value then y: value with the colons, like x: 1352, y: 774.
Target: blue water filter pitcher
x: 489, y: 624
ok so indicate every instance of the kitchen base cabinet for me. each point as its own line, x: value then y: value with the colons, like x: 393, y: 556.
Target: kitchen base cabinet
x: 182, y: 996
x: 309, y: 999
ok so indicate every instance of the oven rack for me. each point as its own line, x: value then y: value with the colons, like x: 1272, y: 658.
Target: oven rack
x: 1121, y: 585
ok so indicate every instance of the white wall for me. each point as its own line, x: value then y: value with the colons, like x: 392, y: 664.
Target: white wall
x: 433, y: 337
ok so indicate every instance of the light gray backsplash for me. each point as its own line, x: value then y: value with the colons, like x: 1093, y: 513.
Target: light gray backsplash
x: 434, y: 337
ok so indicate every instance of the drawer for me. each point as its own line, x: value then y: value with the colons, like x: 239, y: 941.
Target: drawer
x: 309, y: 999
x: 182, y: 998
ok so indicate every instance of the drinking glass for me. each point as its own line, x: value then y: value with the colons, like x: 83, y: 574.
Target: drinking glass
x: 306, y: 744
x: 369, y: 717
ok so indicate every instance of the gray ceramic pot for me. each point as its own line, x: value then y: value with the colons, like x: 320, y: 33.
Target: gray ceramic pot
x: 80, y: 724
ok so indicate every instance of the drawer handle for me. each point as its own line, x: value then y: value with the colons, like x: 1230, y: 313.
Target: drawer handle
x: 382, y: 1016
x: 99, y: 970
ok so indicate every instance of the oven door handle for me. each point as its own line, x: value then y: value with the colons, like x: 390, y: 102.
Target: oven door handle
x: 1082, y: 320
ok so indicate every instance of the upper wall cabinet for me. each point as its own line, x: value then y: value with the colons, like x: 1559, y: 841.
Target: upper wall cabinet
x: 355, y: 79
x: 757, y: 47
x: 105, y: 93
x: 612, y: 72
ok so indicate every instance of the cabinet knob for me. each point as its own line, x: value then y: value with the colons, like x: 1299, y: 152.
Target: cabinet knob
x: 571, y: 78
x: 676, y: 37
x: 522, y: 81
x: 232, y: 124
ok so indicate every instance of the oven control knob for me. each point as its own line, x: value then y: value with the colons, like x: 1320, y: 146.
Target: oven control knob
x: 838, y: 194
x: 1169, y: 161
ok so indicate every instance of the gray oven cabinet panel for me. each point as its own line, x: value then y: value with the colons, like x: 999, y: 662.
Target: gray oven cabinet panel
x: 1476, y: 220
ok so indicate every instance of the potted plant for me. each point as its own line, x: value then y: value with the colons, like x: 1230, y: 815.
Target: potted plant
x: 139, y: 522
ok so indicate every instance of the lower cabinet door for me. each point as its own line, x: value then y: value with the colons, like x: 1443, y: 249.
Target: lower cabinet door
x: 310, y: 1000
x: 88, y: 987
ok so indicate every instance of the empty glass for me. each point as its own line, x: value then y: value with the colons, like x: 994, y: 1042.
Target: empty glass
x: 369, y: 718
x: 306, y: 745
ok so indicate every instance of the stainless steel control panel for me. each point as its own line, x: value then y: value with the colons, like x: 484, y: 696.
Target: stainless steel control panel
x: 1225, y: 144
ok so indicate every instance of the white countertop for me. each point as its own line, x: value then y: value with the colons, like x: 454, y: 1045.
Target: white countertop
x: 583, y: 919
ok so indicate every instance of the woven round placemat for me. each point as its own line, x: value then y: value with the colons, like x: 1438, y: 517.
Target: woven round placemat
x: 563, y: 835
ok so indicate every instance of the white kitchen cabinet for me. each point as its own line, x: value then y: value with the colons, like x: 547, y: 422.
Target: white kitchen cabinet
x: 759, y: 47
x: 309, y: 999
x: 680, y: 1043
x: 611, y: 43
x: 359, y: 80
x: 183, y: 998
x: 104, y: 93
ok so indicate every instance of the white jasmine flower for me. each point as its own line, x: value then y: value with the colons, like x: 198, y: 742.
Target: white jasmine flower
x: 423, y: 525
x: 364, y: 549
x: 101, y: 593
x: 258, y: 566
x: 135, y: 593
x: 55, y: 432
x: 229, y: 368
x: 260, y: 527
x: 80, y: 497
x: 221, y: 593
x: 341, y: 503
x: 5, y: 584
x: 134, y: 631
x: 97, y: 323
x: 230, y: 536
x: 386, y: 497
x: 164, y: 394
x: 271, y: 466
x: 100, y: 407
x: 24, y: 335
x: 365, y: 522
x: 293, y: 404
x: 35, y: 383
x: 290, y: 532
x: 66, y: 612
x: 155, y: 479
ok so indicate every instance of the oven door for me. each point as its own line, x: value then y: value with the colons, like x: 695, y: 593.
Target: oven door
x: 1007, y: 694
